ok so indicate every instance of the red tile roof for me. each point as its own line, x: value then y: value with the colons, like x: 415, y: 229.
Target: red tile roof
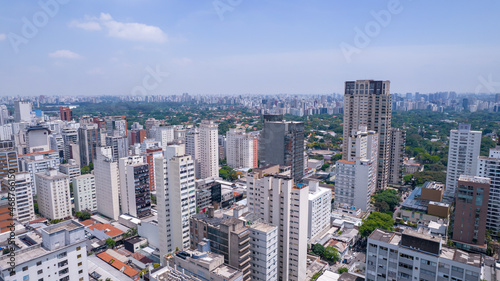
x: 111, y: 230
x: 118, y: 264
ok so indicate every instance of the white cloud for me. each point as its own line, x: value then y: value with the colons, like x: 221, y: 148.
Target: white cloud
x: 132, y: 31
x: 2, y: 36
x: 64, y: 54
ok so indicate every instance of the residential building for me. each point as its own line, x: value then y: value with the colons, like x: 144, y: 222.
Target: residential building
x: 38, y: 162
x: 21, y: 185
x: 239, y: 147
x: 471, y: 211
x: 208, y: 193
x: 464, y: 148
x: 22, y: 111
x: 369, y: 103
x: 228, y: 237
x: 70, y: 136
x: 413, y: 255
x: 116, y: 126
x: 37, y: 139
x: 320, y: 209
x: 54, y: 201
x: 193, y: 149
x: 89, y: 138
x: 134, y: 187
x: 84, y: 192
x: 137, y: 136
x: 277, y: 201
x: 488, y: 167
x: 151, y: 155
x: 72, y: 169
x: 66, y: 113
x: 150, y: 123
x: 165, y: 135
x: 396, y: 152
x: 282, y: 143
x: 206, y: 266
x: 355, y: 180
x: 209, y: 153
x: 119, y: 145
x: 263, y: 251
x: 60, y: 254
x: 176, y: 198
x: 107, y: 181
x: 8, y: 158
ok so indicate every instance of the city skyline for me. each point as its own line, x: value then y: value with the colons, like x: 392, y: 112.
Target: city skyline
x: 243, y: 47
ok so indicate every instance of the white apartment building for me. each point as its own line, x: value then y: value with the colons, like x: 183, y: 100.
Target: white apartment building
x: 489, y: 167
x: 165, y: 135
x: 72, y: 169
x: 38, y: 162
x: 209, y: 149
x: 22, y: 111
x: 464, y: 148
x: 54, y: 201
x: 279, y: 202
x: 70, y: 136
x: 356, y: 177
x: 193, y: 149
x: 59, y: 254
x: 84, y: 192
x: 264, y: 252
x: 415, y: 255
x: 320, y: 209
x: 239, y: 149
x: 24, y: 209
x: 176, y: 197
x: 37, y: 139
x: 107, y: 183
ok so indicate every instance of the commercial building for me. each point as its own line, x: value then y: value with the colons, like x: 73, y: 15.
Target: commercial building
x: 369, y: 103
x: 119, y: 145
x: 54, y: 201
x: 70, y: 136
x: 65, y: 113
x: 464, y: 148
x: 84, y: 192
x: 208, y: 193
x: 413, y: 255
x: 209, y: 153
x: 282, y: 143
x: 37, y: 139
x: 22, y: 111
x: 59, y: 254
x: 425, y: 204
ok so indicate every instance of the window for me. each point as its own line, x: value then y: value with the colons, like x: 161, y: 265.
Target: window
x: 40, y: 271
x: 78, y: 248
x: 80, y: 264
x: 79, y: 256
x: 38, y: 263
x: 25, y: 268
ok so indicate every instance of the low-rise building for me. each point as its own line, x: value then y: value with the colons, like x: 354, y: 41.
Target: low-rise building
x: 206, y: 266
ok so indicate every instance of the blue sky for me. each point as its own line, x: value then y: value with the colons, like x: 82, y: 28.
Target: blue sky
x: 97, y: 47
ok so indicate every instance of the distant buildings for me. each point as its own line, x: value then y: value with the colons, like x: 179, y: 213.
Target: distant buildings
x: 65, y: 113
x: 22, y: 111
x: 463, y: 152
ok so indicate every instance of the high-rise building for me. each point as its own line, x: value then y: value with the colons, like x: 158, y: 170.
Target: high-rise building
x: 72, y: 169
x: 165, y: 135
x: 471, y: 210
x: 264, y: 251
x: 4, y: 115
x: 59, y: 254
x: 276, y: 200
x: 84, y: 193
x: 22, y: 183
x: 38, y: 162
x: 464, y: 148
x: 89, y: 138
x: 37, y: 139
x: 116, y: 126
x: 54, y: 201
x: 107, y: 181
x: 228, y: 237
x: 356, y: 177
x: 239, y: 147
x: 66, y: 113
x: 119, y: 145
x: 134, y: 186
x: 415, y: 255
x: 176, y: 199
x: 22, y: 111
x: 137, y: 136
x: 488, y: 167
x: 396, y: 155
x: 320, y: 209
x: 70, y: 136
x: 193, y: 149
x: 151, y: 155
x: 369, y: 103
x: 209, y: 149
x: 8, y: 158
x: 150, y: 123
x: 208, y: 193
x: 282, y: 143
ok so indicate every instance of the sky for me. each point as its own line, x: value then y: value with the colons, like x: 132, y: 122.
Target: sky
x: 226, y: 47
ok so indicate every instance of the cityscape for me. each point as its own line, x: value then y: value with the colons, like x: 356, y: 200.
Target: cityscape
x: 155, y: 141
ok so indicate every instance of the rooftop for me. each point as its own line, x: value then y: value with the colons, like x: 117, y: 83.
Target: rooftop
x: 264, y: 227
x: 68, y: 225
x: 474, y: 179
x: 108, y: 229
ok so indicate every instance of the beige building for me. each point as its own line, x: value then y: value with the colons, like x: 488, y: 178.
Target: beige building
x: 107, y: 183
x: 54, y: 201
x: 396, y: 155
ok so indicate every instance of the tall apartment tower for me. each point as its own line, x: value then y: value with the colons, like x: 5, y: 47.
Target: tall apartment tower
x: 22, y: 111
x: 193, y: 149
x: 396, y: 155
x: 24, y: 209
x: 119, y: 145
x: 279, y: 202
x: 66, y: 113
x: 134, y: 186
x: 240, y: 151
x: 70, y: 136
x: 176, y: 199
x: 107, y: 182
x: 464, y: 148
x: 84, y: 193
x: 209, y: 149
x: 8, y: 158
x: 54, y: 199
x: 356, y: 177
x: 488, y: 167
x: 369, y: 103
x: 320, y: 208
x: 264, y: 251
x: 89, y: 138
x: 282, y: 143
x: 471, y: 210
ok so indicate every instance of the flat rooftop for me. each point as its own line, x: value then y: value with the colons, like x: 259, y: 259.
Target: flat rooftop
x: 386, y: 236
x: 264, y: 227
x: 461, y: 256
x: 69, y: 226
x: 474, y: 179
x: 433, y: 185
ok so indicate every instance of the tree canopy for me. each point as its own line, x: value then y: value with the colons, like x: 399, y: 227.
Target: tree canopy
x: 386, y: 200
x: 375, y: 220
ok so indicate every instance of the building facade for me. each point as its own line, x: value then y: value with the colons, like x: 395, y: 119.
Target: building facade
x: 107, y: 178
x: 84, y: 192
x: 489, y: 167
x: 209, y: 149
x: 239, y: 149
x: 54, y: 201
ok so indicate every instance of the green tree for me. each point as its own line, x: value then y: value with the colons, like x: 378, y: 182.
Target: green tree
x: 342, y: 270
x: 331, y: 254
x: 318, y: 249
x: 325, y: 166
x: 376, y: 220
x: 110, y: 243
x: 386, y: 200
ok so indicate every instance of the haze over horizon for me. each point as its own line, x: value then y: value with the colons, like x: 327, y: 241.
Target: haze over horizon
x: 246, y: 47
